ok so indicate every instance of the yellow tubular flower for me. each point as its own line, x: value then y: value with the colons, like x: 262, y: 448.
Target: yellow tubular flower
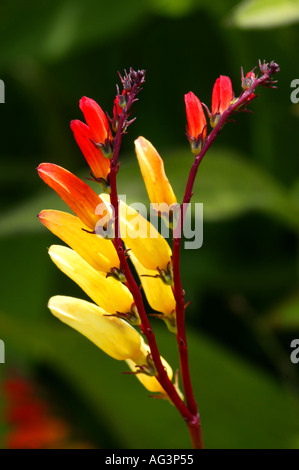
x: 142, y: 238
x: 152, y: 168
x: 96, y: 251
x: 113, y: 335
x: 159, y: 295
x: 108, y: 293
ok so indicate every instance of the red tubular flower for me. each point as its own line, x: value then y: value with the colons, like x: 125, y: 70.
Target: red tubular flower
x: 95, y: 118
x: 97, y: 130
x: 99, y: 165
x: 81, y: 199
x: 197, y: 124
x: 222, y: 95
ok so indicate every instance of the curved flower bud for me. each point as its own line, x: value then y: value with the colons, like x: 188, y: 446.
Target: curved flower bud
x: 99, y: 165
x: 152, y: 168
x: 94, y: 137
x: 80, y: 198
x: 113, y: 335
x: 222, y: 96
x: 96, y: 251
x: 95, y: 118
x: 197, y: 124
x: 108, y: 293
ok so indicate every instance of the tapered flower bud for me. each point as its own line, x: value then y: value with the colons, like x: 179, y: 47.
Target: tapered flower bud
x: 97, y: 131
x: 113, y: 335
x: 152, y: 168
x: 197, y: 124
x: 96, y: 251
x: 99, y: 165
x: 80, y: 198
x: 222, y: 97
x: 95, y: 118
x: 107, y: 292
x: 247, y: 81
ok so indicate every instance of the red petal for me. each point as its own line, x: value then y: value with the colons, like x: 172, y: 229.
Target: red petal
x: 195, y: 116
x: 100, y: 166
x: 95, y: 118
x: 222, y: 95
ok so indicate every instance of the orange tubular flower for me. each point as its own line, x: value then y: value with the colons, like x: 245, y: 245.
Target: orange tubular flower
x: 98, y: 131
x: 76, y: 194
x: 222, y: 97
x: 197, y: 124
x: 152, y: 168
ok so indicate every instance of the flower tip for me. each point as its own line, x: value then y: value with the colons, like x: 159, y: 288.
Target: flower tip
x: 141, y: 143
x: 40, y: 167
x: 86, y: 102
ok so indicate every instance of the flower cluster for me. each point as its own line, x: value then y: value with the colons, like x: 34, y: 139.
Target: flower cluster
x: 92, y: 261
x: 102, y: 236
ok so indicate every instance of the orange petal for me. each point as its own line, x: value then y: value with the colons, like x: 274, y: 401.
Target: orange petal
x: 76, y: 194
x: 152, y: 168
x: 99, y: 165
x: 95, y: 118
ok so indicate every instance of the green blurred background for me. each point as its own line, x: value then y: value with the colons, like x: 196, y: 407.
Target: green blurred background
x: 243, y: 282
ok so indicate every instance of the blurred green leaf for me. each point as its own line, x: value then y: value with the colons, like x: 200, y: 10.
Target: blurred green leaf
x: 52, y: 28
x: 174, y: 7
x: 294, y: 195
x: 264, y: 13
x: 240, y: 406
x: 285, y: 316
x: 228, y: 185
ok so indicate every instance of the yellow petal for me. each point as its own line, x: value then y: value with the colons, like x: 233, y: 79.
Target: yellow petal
x: 152, y: 168
x: 109, y: 294
x: 159, y: 295
x: 114, y: 336
x: 146, y: 243
x: 96, y: 251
